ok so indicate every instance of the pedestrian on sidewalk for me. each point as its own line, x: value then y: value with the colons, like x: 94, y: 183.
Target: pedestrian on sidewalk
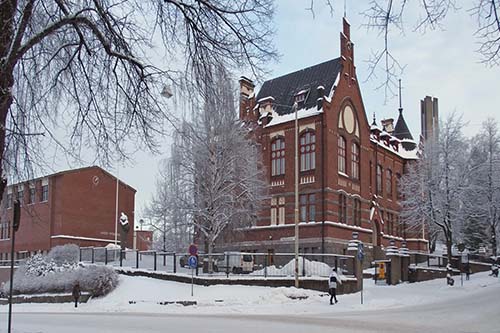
x: 76, y: 293
x: 333, y: 279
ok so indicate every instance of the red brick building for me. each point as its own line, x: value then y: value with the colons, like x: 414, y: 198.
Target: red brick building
x: 75, y: 206
x: 349, y: 168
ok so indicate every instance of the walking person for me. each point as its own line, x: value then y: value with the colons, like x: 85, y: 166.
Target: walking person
x: 76, y: 293
x: 333, y: 279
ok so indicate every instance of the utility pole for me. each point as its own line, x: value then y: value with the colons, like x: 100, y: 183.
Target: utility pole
x: 295, y: 107
x: 16, y: 218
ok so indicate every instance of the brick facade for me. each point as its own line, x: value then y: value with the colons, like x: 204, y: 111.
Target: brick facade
x: 79, y: 209
x: 339, y: 114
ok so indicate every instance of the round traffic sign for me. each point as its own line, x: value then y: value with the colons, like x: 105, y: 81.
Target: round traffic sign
x: 192, y: 261
x: 193, y: 249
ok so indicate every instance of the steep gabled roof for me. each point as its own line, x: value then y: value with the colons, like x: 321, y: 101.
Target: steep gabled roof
x: 284, y: 88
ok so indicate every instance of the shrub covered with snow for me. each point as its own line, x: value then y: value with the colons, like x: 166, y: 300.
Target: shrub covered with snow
x: 43, y: 275
x: 68, y: 253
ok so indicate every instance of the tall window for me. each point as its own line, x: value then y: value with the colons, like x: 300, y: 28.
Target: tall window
x: 274, y: 209
x: 357, y: 212
x: 398, y: 181
x: 278, y: 157
x: 277, y: 210
x: 342, y: 154
x: 45, y: 193
x: 32, y: 196
x: 388, y: 183
x: 379, y: 180
x: 342, y: 208
x: 8, y: 203
x: 307, y: 208
x: 390, y: 223
x: 355, y: 161
x: 307, y: 151
x: 20, y: 194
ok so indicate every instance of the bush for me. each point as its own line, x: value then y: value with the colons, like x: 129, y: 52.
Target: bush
x: 42, y: 275
x: 65, y: 254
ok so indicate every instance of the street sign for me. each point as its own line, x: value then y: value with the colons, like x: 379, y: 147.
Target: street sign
x: 193, y: 250
x: 193, y: 261
x: 361, y: 252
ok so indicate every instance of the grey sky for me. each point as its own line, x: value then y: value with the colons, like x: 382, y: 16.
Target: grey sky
x: 438, y: 63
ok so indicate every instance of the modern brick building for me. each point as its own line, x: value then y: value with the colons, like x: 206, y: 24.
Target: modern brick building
x: 349, y: 167
x: 75, y: 206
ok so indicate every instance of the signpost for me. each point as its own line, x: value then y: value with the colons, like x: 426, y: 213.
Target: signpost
x: 192, y: 262
x: 461, y: 248
x: 361, y: 255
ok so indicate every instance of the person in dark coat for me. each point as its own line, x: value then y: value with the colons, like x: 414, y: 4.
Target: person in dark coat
x: 76, y: 293
x: 333, y: 279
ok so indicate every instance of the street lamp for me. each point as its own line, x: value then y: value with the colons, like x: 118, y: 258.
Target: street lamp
x: 295, y: 108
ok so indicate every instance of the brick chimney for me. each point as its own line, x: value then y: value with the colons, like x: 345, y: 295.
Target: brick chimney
x: 247, y: 99
x: 388, y: 124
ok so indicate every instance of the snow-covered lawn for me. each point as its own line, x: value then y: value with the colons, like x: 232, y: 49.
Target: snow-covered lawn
x: 224, y: 299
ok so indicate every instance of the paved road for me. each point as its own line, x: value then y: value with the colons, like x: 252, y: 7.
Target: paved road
x: 479, y: 314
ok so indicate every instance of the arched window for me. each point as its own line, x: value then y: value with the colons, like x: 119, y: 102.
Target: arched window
x: 307, y: 151
x: 342, y: 208
x: 278, y: 157
x: 355, y: 161
x: 342, y: 154
x: 379, y: 180
x: 388, y: 183
x: 357, y: 212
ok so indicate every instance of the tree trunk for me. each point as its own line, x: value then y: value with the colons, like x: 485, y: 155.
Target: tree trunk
x: 494, y: 240
x: 210, y: 251
x: 448, y: 246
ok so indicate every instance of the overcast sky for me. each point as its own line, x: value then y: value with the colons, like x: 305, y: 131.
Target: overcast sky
x: 439, y: 63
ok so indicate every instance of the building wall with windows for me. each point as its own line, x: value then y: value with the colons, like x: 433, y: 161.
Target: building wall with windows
x: 349, y: 167
x: 75, y: 206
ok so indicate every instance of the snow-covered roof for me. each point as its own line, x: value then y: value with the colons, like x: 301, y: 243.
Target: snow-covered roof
x: 302, y: 113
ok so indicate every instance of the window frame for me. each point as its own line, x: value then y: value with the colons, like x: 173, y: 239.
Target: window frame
x: 307, y: 149
x: 342, y: 208
x: 307, y: 207
x: 388, y: 183
x: 380, y: 179
x: 355, y: 161
x: 278, y: 156
x: 342, y: 154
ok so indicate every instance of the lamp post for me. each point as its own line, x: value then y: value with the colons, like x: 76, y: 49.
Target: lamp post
x: 296, y: 196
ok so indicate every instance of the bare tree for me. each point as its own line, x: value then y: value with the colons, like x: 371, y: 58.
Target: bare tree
x: 483, y: 200
x: 219, y: 164
x: 434, y: 187
x: 78, y: 72
x: 166, y: 210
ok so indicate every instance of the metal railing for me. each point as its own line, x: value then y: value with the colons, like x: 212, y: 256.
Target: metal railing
x: 224, y: 264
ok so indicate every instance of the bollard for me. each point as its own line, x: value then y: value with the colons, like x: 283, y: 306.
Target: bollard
x: 227, y: 265
x: 121, y: 257
x: 175, y: 264
x: 105, y: 256
x: 265, y: 266
x: 136, y: 259
x: 92, y: 259
x: 80, y: 255
x: 154, y: 255
x: 303, y: 265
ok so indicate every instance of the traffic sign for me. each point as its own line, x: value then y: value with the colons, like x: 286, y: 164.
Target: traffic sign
x: 193, y: 250
x: 193, y: 261
x: 361, y: 252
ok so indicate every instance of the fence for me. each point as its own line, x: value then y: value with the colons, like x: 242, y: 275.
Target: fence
x: 224, y: 264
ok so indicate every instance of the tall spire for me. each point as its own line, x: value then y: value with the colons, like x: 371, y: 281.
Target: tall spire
x: 400, y: 104
x: 345, y: 9
x: 374, y: 120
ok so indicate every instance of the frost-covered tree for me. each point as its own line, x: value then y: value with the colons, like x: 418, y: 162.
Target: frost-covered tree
x: 218, y: 166
x: 79, y: 72
x: 483, y: 199
x: 170, y: 222
x: 434, y: 187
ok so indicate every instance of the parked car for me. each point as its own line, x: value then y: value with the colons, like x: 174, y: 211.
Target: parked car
x: 236, y: 262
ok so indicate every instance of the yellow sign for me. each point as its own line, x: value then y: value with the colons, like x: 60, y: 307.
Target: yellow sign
x: 381, y: 270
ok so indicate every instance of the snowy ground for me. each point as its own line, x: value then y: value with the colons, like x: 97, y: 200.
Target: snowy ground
x: 430, y: 305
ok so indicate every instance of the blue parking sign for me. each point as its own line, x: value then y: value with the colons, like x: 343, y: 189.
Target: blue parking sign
x: 193, y: 261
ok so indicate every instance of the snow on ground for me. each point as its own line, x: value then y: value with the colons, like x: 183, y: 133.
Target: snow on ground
x: 224, y: 299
